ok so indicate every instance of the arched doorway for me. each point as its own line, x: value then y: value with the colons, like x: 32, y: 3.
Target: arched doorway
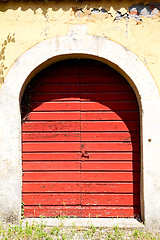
x: 76, y: 44
x: 80, y: 142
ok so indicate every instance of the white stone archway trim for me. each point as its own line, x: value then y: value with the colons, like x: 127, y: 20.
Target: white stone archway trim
x: 79, y: 42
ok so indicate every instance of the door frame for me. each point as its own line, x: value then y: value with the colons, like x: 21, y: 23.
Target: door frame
x: 78, y: 43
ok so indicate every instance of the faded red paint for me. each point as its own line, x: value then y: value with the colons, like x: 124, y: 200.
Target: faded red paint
x: 80, y: 142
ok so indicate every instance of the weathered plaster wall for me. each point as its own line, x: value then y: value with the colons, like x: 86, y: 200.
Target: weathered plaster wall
x: 135, y: 27
x: 24, y: 24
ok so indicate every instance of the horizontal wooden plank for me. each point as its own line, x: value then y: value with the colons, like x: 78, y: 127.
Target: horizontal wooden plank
x: 51, y: 156
x: 51, y: 136
x: 51, y: 211
x: 110, y: 166
x: 78, y: 211
x: 110, y: 96
x: 83, y: 199
x: 106, y: 77
x: 77, y: 115
x: 52, y: 199
x: 85, y: 126
x: 110, y: 176
x: 53, y: 97
x: 115, y: 126
x: 54, y: 116
x: 83, y: 88
x: 110, y: 146
x: 109, y: 136
x: 98, y: 70
x: 65, y: 71
x: 50, y: 176
x: 116, y: 156
x: 108, y: 211
x: 51, y: 147
x: 29, y: 187
x: 110, y: 187
x: 84, y: 136
x: 57, y: 88
x: 55, y: 106
x: 48, y: 126
x: 102, y: 88
x: 83, y: 176
x: 109, y: 106
x: 51, y: 166
x: 110, y: 199
x: 135, y: 156
x: 60, y: 78
x: 84, y: 166
x: 75, y: 146
x: 84, y: 106
x: 110, y: 115
x: 61, y: 68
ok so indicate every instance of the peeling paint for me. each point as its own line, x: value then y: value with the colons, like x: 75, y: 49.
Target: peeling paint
x: 147, y: 10
x: 120, y: 16
x: 136, y: 11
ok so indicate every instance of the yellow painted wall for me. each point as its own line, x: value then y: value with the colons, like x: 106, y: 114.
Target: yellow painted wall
x: 33, y: 22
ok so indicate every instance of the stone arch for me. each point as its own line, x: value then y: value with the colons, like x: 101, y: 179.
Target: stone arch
x: 77, y: 43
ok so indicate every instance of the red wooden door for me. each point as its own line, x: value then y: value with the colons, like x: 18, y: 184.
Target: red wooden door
x: 80, y: 143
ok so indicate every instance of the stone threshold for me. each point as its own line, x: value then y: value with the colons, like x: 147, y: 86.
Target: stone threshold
x: 86, y: 222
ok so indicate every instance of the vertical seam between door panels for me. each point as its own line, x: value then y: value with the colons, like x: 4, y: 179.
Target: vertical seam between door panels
x: 79, y: 66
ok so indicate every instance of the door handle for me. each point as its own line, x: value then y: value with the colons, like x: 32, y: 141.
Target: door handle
x: 85, y: 154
